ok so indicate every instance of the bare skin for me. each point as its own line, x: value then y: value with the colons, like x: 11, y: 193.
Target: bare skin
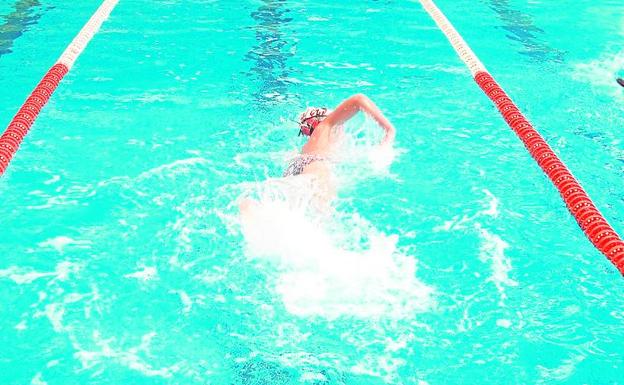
x: 323, y: 142
x: 324, y: 139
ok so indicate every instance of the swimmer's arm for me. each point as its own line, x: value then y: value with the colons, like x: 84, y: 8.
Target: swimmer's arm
x: 359, y: 102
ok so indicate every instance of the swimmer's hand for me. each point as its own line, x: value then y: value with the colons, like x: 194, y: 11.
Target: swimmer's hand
x: 388, y: 139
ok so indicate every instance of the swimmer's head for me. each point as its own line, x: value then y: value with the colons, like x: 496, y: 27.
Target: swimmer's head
x: 310, y: 119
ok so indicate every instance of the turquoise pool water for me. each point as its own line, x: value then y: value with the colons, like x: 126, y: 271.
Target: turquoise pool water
x: 123, y: 260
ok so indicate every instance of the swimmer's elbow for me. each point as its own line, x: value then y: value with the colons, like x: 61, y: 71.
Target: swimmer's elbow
x: 360, y: 99
x: 361, y: 102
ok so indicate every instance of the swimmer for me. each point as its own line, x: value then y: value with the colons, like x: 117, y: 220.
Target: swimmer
x: 323, y: 130
x: 620, y: 81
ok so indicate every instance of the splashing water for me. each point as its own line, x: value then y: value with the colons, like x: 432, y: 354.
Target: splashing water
x: 333, y: 263
x: 601, y: 73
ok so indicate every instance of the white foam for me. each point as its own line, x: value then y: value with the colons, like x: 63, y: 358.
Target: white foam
x: 220, y: 298
x: 38, y: 380
x: 493, y: 251
x: 316, y: 18
x: 312, y: 377
x: 174, y: 168
x: 21, y: 275
x: 561, y: 372
x: 65, y: 268
x: 326, y: 64
x: 504, y: 323
x: 384, y: 367
x: 52, y: 363
x: 492, y: 247
x: 217, y: 274
x: 323, y: 271
x: 55, y: 312
x: 54, y: 179
x: 61, y: 242
x: 381, y: 157
x: 398, y: 344
x: 148, y: 273
x: 601, y: 73
x: 493, y: 202
x: 431, y: 68
x: 187, y: 301
x: 330, y: 264
x: 490, y: 209
x: 130, y: 358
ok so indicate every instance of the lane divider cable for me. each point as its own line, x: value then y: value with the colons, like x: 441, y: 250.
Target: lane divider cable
x: 591, y: 221
x: 27, y: 114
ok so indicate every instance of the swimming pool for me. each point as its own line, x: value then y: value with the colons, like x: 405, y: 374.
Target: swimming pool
x: 123, y: 259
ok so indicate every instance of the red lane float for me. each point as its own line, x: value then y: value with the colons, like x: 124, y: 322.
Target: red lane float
x: 593, y: 224
x: 25, y: 117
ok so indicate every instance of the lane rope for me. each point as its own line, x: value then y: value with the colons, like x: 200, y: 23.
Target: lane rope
x: 591, y: 221
x: 27, y: 114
